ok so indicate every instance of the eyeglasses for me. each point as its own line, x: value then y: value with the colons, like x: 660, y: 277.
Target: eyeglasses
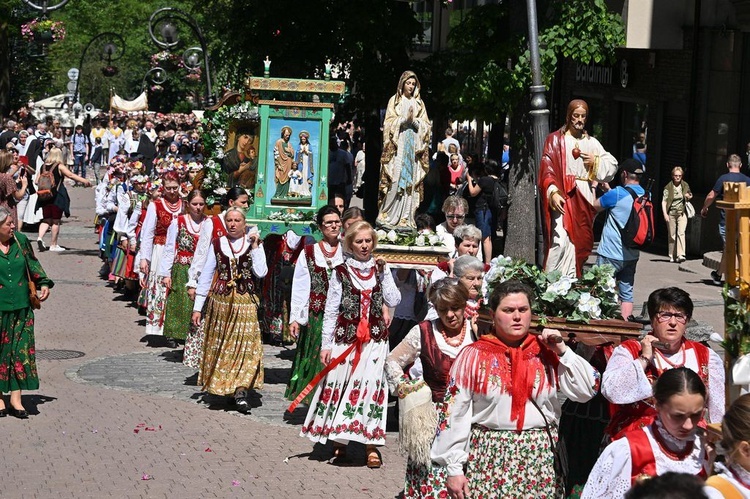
x: 331, y: 223
x: 666, y: 316
x: 455, y: 217
x: 175, y: 188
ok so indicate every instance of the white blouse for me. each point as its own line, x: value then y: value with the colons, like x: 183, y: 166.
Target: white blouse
x: 201, y: 250
x: 724, y: 472
x: 611, y: 476
x: 149, y: 229
x: 123, y: 205
x: 625, y: 381
x: 105, y: 198
x: 301, y: 282
x: 257, y: 255
x: 410, y: 348
x: 391, y: 294
x: 167, y: 257
x: 577, y: 382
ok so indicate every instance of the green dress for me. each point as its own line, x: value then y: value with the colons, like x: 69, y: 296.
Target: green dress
x: 306, y: 362
x: 17, y: 352
x: 179, y: 309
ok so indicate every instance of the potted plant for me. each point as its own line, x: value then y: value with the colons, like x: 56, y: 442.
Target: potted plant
x: 43, y: 30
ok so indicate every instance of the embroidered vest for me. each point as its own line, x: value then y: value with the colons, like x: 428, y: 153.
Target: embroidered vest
x: 164, y: 217
x: 639, y: 414
x: 230, y: 277
x: 643, y: 461
x: 436, y: 364
x: 345, y: 330
x: 219, y: 228
x: 185, y: 243
x: 318, y: 282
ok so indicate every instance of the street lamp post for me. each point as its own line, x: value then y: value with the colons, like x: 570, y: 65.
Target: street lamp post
x: 44, y: 6
x: 539, y: 118
x: 111, y: 51
x: 165, y: 19
x: 159, y: 76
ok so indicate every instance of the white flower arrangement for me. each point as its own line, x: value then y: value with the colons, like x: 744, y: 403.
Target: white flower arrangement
x: 592, y: 296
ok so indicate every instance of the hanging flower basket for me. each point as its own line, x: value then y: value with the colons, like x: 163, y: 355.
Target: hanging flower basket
x: 109, y: 71
x: 166, y: 60
x: 193, y: 76
x: 43, y: 31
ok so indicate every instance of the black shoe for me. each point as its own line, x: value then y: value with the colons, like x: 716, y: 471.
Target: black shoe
x: 716, y: 277
x: 40, y: 244
x: 19, y: 413
x: 3, y: 412
x: 171, y: 343
x: 240, y: 400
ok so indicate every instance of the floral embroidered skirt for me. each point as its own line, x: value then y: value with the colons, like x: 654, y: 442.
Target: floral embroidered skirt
x: 351, y: 405
x: 179, y: 308
x: 232, y: 350
x: 193, y: 353
x: 17, y: 353
x: 509, y: 464
x: 307, y: 358
x: 156, y: 294
x: 424, y: 482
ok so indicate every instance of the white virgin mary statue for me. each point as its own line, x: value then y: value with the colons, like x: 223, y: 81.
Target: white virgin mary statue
x: 405, y: 160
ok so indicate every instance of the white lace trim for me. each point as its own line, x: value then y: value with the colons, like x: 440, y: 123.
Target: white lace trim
x: 673, y: 443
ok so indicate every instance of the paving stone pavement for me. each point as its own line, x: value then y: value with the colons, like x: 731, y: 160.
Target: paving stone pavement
x: 122, y: 422
x: 162, y: 373
x: 81, y: 439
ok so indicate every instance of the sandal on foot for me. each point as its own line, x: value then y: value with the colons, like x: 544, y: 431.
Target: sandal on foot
x: 373, y: 458
x: 339, y: 451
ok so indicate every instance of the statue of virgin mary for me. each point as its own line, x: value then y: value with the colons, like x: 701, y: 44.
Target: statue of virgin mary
x: 405, y: 159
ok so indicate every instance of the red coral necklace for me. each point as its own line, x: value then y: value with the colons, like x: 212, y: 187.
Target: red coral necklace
x: 362, y: 275
x: 673, y: 455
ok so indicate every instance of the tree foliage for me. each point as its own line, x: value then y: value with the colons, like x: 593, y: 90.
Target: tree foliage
x: 488, y: 58
x: 369, y: 40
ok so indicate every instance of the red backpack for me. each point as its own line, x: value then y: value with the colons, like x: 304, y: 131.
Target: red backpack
x: 639, y: 230
x: 46, y: 187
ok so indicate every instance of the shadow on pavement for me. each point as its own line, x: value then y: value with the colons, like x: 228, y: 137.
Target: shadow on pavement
x: 32, y: 402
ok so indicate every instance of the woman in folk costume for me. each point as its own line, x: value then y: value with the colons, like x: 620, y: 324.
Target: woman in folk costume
x: 732, y: 477
x: 634, y: 366
x: 232, y: 360
x: 312, y: 273
x: 350, y: 403
x: 672, y: 442
x: 211, y: 228
x: 497, y: 423
x: 159, y: 215
x: 436, y: 343
x: 125, y: 225
x: 406, y: 155
x: 182, y: 238
x: 282, y: 250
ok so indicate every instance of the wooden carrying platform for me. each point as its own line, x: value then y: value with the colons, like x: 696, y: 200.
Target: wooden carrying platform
x: 736, y: 205
x: 411, y: 257
x: 596, y: 332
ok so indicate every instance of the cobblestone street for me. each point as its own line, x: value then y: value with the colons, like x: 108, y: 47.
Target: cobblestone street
x: 126, y: 420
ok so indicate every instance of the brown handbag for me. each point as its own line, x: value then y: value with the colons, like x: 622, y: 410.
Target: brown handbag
x: 34, y: 300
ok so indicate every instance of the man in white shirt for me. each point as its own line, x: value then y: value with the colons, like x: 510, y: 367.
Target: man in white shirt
x: 148, y: 131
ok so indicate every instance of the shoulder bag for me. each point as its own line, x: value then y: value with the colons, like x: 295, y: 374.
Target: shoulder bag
x: 34, y: 300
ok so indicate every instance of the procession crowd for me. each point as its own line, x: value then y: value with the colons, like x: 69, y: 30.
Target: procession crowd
x: 484, y: 406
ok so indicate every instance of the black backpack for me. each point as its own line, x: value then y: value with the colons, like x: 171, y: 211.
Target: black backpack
x: 499, y: 198
x: 639, y: 230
